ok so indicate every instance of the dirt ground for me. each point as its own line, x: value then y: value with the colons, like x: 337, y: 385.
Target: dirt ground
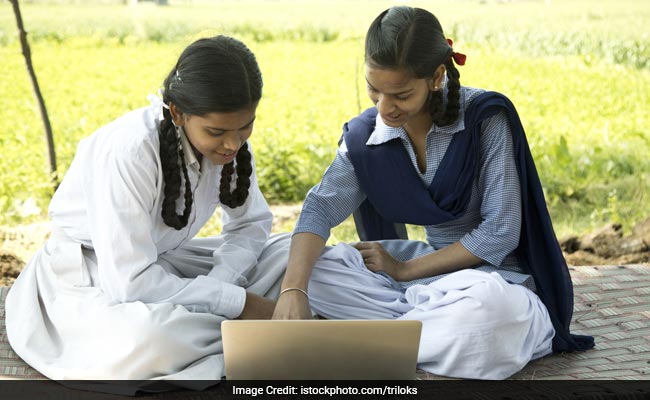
x: 605, y: 246
x: 608, y: 246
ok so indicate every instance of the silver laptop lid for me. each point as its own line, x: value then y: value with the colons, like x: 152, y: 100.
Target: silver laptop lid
x: 320, y: 349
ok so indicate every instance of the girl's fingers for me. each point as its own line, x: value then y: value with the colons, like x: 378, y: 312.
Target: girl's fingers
x: 366, y: 245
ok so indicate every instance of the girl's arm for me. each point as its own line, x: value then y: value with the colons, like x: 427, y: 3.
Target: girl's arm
x: 305, y: 250
x: 499, y: 189
x: 449, y: 259
x: 327, y: 205
x: 245, y: 231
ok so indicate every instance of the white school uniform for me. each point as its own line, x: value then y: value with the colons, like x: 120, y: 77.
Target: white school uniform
x: 115, y: 293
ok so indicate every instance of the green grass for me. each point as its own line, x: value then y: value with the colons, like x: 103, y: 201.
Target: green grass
x: 577, y: 71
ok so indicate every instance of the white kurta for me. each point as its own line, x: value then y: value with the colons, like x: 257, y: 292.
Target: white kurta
x: 117, y: 294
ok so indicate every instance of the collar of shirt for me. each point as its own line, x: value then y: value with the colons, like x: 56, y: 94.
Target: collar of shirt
x: 383, y: 133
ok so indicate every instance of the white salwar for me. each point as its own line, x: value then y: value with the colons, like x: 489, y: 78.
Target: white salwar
x: 475, y: 324
x: 115, y: 293
x: 67, y: 329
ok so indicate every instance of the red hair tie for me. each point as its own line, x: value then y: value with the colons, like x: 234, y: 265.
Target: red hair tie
x: 459, y: 58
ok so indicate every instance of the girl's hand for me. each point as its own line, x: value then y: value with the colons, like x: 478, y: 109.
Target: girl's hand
x: 378, y: 259
x: 292, y: 305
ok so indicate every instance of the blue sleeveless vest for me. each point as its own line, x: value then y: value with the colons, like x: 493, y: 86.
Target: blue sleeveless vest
x: 395, y: 193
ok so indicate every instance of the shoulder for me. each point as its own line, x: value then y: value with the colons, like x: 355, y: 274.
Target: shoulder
x: 483, y: 105
x: 129, y: 137
x: 477, y: 98
x: 469, y: 94
x: 490, y: 109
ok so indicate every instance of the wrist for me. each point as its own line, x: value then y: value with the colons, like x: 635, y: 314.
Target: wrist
x: 294, y: 290
x: 295, y: 282
x: 402, y: 271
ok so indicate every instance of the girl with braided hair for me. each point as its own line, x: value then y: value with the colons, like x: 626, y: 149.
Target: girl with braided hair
x: 490, y: 284
x: 122, y: 290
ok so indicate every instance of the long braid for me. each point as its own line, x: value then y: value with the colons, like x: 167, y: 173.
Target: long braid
x: 224, y: 185
x: 188, y: 189
x: 172, y: 159
x: 437, y: 107
x: 244, y: 170
x: 453, y: 92
x: 445, y: 115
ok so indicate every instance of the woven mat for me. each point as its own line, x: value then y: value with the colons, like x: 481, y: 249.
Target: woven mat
x: 11, y: 366
x: 612, y: 303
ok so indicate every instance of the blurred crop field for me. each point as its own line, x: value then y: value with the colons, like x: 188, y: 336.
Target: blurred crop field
x: 578, y: 72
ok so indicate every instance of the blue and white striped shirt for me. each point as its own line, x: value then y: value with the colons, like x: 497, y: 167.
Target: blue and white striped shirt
x: 490, y: 226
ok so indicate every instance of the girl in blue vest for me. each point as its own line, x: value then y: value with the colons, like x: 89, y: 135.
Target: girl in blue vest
x: 489, y: 284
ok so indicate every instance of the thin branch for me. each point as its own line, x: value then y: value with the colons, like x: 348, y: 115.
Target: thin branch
x: 37, y: 92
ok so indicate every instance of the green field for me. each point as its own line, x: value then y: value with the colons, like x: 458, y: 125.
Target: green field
x: 578, y: 72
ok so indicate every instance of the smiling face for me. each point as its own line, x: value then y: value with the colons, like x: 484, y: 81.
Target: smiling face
x: 399, y: 97
x: 218, y: 135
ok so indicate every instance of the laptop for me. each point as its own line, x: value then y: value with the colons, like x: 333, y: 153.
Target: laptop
x: 320, y: 349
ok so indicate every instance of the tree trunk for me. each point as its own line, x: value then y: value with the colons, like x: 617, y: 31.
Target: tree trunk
x: 37, y: 92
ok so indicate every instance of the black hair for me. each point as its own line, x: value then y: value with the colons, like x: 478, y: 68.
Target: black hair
x: 218, y: 74
x: 412, y: 39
